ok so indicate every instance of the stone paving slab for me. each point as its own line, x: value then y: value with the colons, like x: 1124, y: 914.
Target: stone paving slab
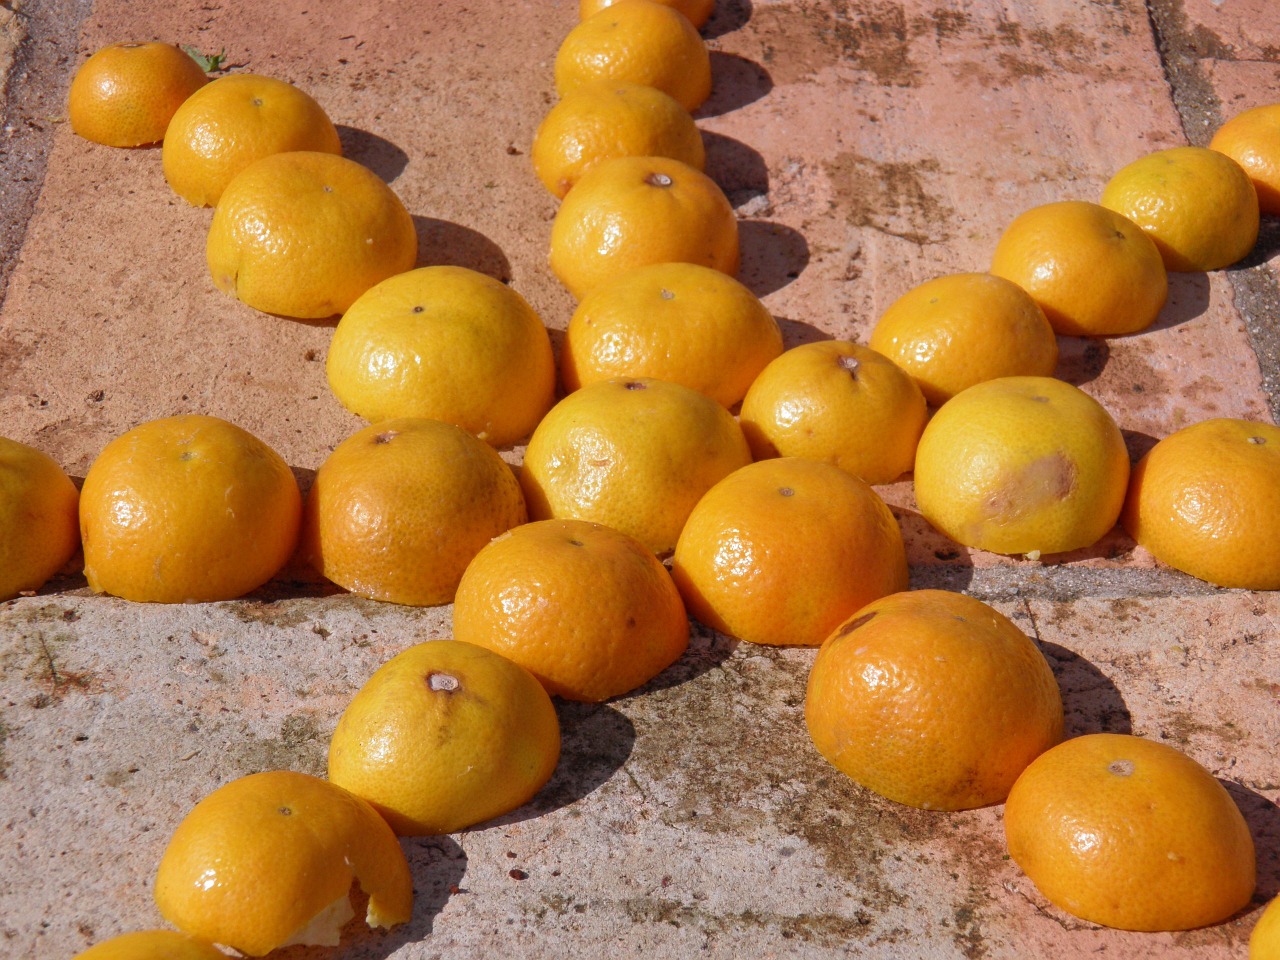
x: 866, y: 147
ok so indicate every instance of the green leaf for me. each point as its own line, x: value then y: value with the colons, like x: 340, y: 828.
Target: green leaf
x: 209, y: 62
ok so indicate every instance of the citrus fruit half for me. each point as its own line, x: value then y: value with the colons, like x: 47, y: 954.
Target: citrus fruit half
x: 445, y: 343
x: 1130, y: 833
x: 932, y: 699
x: 1205, y: 500
x: 782, y: 551
x: 303, y: 234
x: 399, y: 508
x: 635, y: 455
x: 445, y: 735
x: 588, y: 610
x: 39, y: 519
x: 126, y: 93
x: 1022, y: 465
x: 268, y: 860
x: 233, y: 121
x: 187, y: 509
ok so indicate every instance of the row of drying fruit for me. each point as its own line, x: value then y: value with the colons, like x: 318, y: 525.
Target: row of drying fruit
x: 596, y: 459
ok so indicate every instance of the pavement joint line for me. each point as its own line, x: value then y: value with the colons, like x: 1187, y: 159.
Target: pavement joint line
x: 1255, y: 289
x: 33, y: 108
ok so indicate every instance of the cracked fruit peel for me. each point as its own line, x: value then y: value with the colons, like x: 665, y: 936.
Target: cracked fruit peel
x: 1252, y: 139
x: 1205, y: 500
x: 446, y: 735
x: 1197, y: 204
x: 39, y: 519
x: 268, y: 860
x: 840, y: 402
x: 399, y: 508
x: 589, y: 611
x: 635, y: 455
x: 782, y: 551
x: 1026, y: 465
x: 126, y: 93
x: 233, y: 121
x: 1130, y: 833
x: 187, y: 509
x: 608, y: 119
x: 446, y: 343
x: 152, y: 945
x: 1094, y: 272
x: 671, y: 321
x: 638, y: 42
x: 303, y: 234
x: 932, y: 699
x: 632, y: 211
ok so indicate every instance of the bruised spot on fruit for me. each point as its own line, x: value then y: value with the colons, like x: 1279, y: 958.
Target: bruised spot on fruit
x: 666, y: 294
x: 633, y: 385
x: 1039, y: 399
x: 786, y: 491
x: 849, y: 363
x: 419, y: 308
x: 658, y: 180
x: 1258, y: 440
x: 443, y: 682
x: 1041, y: 483
x: 576, y: 543
x: 327, y: 189
x: 187, y: 455
x: 854, y: 624
x: 257, y: 101
x: 286, y: 811
x: 1121, y: 768
x: 386, y: 436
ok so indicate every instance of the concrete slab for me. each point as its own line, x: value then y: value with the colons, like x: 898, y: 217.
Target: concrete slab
x: 866, y: 148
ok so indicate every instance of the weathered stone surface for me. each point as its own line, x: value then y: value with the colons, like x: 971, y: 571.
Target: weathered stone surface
x: 867, y: 147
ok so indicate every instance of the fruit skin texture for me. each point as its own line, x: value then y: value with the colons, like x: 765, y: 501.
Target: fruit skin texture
x: 1022, y: 465
x: 39, y: 519
x: 1197, y: 204
x: 604, y: 120
x: 1205, y: 500
x: 632, y: 211
x: 152, y: 945
x: 697, y: 11
x: 1264, y: 943
x: 782, y: 551
x: 399, y: 508
x: 954, y: 331
x: 446, y: 735
x: 125, y: 94
x: 1093, y: 271
x: 1130, y: 833
x: 259, y: 858
x: 589, y: 611
x: 672, y: 321
x: 932, y: 699
x: 637, y: 42
x: 635, y: 455
x: 445, y: 343
x: 233, y: 121
x: 304, y: 234
x: 187, y: 509
x: 840, y: 402
x: 1252, y: 139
